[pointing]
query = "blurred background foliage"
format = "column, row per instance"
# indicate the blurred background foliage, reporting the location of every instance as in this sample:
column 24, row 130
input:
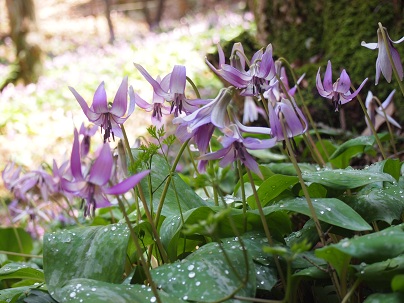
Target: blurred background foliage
column 80, row 43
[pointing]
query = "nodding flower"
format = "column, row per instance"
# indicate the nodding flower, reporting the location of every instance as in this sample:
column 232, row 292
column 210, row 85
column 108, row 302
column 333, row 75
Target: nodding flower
column 109, row 116
column 383, row 64
column 252, row 82
column 339, row 92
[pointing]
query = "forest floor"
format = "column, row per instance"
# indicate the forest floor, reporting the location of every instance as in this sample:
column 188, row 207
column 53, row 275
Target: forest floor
column 37, row 121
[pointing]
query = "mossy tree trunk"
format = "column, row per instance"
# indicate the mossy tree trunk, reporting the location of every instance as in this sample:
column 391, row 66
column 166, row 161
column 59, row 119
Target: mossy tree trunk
column 25, row 36
column 309, row 33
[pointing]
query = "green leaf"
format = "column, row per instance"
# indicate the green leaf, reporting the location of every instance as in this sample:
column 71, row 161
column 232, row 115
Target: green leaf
column 271, row 188
column 93, row 291
column 180, row 196
column 374, row 247
column 385, row 298
column 9, row 293
column 380, row 274
column 346, row 178
column 38, row 296
column 206, row 275
column 95, row 252
column 329, row 210
column 289, row 169
column 353, row 147
column 10, row 240
column 374, row 203
column 21, row 271
column 397, row 283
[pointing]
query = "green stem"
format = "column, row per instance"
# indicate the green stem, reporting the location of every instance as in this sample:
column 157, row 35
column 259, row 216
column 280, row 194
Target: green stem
column 135, row 239
column 243, row 198
column 17, row 235
column 167, row 184
column 379, row 143
column 387, row 46
column 306, row 110
column 351, row 291
column 11, row 253
column 392, row 141
column 265, row 224
column 198, row 95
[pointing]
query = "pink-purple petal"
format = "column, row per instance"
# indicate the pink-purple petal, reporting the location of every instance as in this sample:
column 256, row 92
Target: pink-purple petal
column 127, row 184
column 101, row 169
column 100, row 104
column 120, row 103
column 178, row 79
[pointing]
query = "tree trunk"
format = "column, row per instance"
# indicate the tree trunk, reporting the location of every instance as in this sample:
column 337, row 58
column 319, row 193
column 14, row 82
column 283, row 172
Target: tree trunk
column 25, row 35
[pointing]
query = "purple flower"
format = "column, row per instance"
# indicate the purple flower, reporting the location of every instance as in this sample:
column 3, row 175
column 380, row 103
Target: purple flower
column 202, row 122
column 235, row 147
column 261, row 69
column 293, row 118
column 373, row 109
column 157, row 106
column 251, row 110
column 106, row 115
column 339, row 92
column 383, row 63
column 87, row 133
column 275, row 92
column 92, row 186
column 10, row 175
column 171, row 88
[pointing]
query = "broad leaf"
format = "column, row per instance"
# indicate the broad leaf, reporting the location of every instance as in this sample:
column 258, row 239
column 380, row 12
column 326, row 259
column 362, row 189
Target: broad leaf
column 93, row 291
column 353, row 146
column 180, row 196
column 206, row 275
column 21, row 271
column 289, row 169
column 11, row 239
column 329, row 210
column 395, row 297
column 96, row 252
column 374, row 247
column 271, row 188
column 346, row 178
column 374, row 203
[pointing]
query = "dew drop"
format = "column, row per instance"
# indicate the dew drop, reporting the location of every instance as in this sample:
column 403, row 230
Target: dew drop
column 153, row 299
column 93, row 289
column 72, row 294
column 197, row 283
column 191, row 275
column 185, row 297
column 113, row 228
column 191, row 267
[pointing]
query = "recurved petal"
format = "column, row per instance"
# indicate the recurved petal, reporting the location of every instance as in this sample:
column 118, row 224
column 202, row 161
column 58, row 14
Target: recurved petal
column 84, row 106
column 320, row 88
column 100, row 104
column 328, row 77
column 101, row 169
column 178, row 79
column 397, row 62
column 371, row 45
column 252, row 164
column 75, row 160
column 343, row 83
column 121, row 99
column 388, row 99
column 127, row 184
column 348, row 97
column 156, row 86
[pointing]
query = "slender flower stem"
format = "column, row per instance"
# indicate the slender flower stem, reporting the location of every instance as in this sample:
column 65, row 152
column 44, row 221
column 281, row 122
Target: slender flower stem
column 167, row 184
column 135, row 239
column 11, row 253
column 17, row 235
column 309, row 203
column 306, row 110
column 387, row 46
column 392, row 141
column 243, row 199
column 198, row 95
column 372, row 127
column 145, row 206
column 351, row 291
column 265, row 224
